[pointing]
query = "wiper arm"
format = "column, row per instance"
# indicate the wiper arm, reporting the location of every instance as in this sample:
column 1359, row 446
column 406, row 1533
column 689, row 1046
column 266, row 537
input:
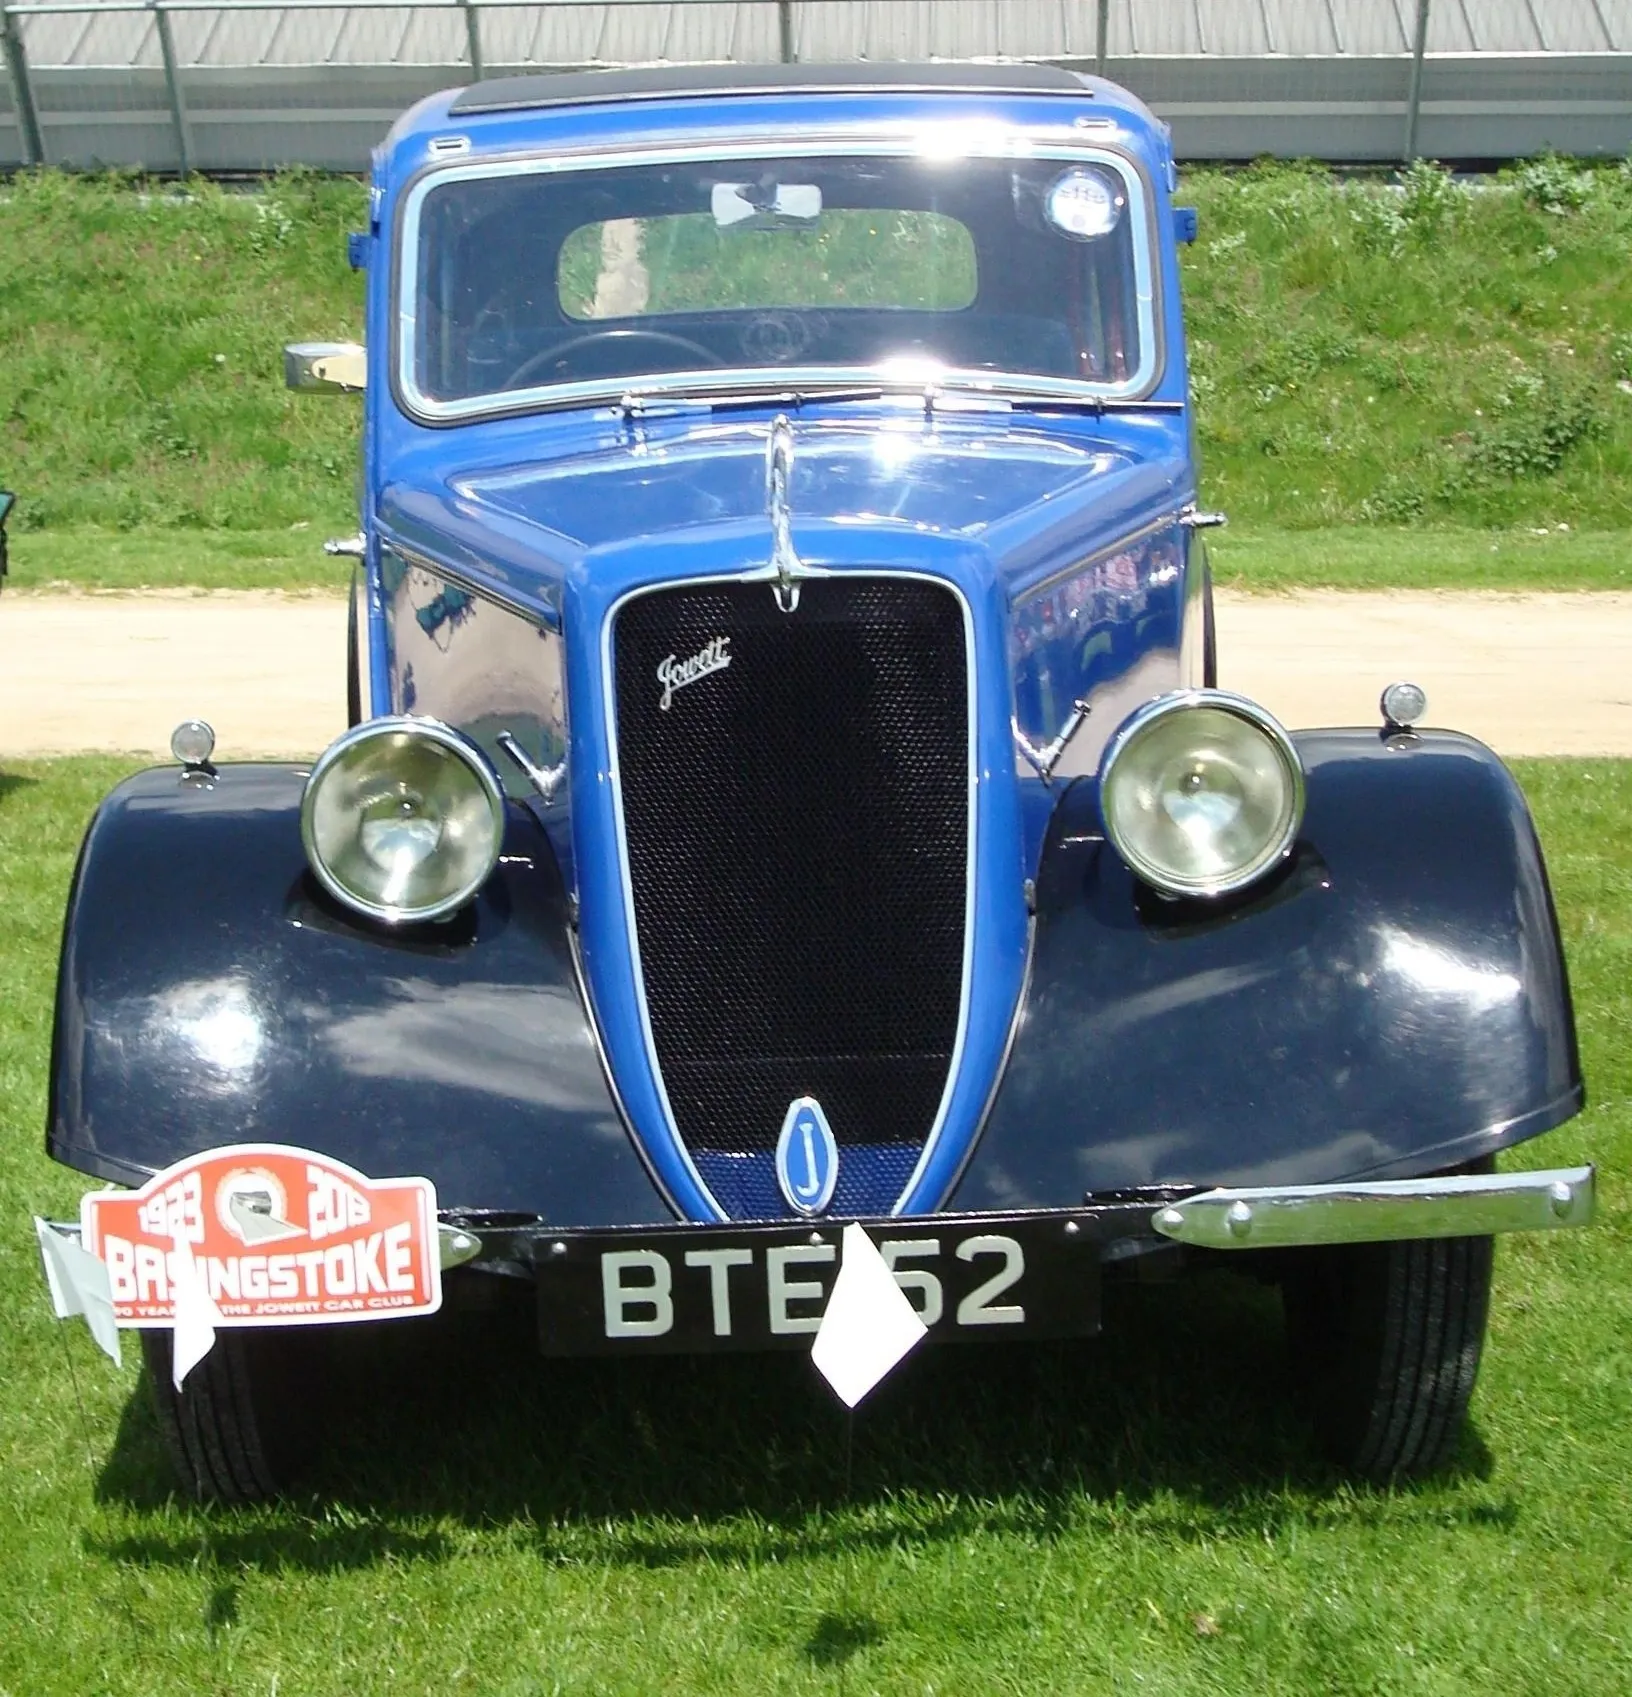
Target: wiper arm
column 639, row 403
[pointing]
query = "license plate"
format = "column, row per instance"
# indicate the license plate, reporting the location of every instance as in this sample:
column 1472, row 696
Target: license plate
column 689, row 1289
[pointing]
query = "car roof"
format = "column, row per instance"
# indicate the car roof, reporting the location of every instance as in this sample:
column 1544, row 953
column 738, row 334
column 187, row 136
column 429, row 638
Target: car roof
column 702, row 82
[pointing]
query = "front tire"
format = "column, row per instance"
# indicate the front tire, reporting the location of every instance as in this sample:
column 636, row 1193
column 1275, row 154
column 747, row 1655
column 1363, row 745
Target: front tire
column 1386, row 1339
column 242, row 1427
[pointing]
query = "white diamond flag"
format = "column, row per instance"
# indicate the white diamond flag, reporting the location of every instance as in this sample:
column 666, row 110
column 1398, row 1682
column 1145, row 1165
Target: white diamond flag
column 869, row 1324
column 195, row 1315
column 78, row 1284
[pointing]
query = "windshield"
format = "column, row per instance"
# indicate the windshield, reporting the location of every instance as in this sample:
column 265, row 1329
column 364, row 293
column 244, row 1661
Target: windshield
column 692, row 273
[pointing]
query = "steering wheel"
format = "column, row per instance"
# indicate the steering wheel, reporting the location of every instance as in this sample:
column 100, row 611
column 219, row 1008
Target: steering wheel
column 615, row 339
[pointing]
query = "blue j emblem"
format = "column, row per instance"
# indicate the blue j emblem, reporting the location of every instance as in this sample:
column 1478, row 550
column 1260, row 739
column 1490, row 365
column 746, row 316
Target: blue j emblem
column 807, row 1158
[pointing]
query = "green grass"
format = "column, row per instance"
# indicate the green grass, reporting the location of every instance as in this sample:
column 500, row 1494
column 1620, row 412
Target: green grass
column 142, row 383
column 1140, row 1514
column 1360, row 557
column 1368, row 357
column 1393, row 557
column 1436, row 353
column 93, row 557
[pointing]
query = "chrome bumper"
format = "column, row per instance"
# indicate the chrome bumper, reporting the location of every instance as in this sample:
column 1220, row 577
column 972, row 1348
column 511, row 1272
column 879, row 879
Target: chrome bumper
column 1297, row 1216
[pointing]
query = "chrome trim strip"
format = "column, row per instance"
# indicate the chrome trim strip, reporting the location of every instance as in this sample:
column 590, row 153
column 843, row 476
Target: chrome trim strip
column 615, row 778
column 1006, row 144
column 363, row 614
column 1298, row 1216
column 778, row 481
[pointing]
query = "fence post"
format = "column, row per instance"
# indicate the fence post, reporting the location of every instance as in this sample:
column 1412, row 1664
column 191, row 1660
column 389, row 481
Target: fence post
column 1413, row 105
column 1102, row 37
column 22, row 93
column 784, row 25
column 172, row 85
column 473, row 39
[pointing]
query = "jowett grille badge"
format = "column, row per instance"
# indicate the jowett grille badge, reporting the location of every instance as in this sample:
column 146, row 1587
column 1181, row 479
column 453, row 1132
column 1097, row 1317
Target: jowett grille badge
column 674, row 673
column 807, row 1157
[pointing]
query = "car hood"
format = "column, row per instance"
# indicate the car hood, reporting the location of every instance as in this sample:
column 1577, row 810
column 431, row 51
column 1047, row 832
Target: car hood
column 1021, row 491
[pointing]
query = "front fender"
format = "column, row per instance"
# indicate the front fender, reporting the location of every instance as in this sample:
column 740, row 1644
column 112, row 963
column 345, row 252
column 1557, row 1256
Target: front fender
column 210, row 994
column 1392, row 1003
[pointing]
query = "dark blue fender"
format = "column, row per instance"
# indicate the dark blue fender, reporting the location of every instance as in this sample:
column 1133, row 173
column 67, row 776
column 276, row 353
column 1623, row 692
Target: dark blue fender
column 210, row 995
column 1394, row 1002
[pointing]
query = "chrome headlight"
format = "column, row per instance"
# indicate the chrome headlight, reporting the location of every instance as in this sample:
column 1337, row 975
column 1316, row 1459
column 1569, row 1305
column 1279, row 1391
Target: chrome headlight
column 1202, row 792
column 402, row 819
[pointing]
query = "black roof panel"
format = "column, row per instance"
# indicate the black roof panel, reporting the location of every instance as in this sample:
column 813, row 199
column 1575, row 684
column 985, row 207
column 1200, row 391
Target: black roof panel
column 697, row 82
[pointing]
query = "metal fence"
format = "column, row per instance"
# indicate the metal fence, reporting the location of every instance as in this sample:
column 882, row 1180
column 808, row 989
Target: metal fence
column 244, row 85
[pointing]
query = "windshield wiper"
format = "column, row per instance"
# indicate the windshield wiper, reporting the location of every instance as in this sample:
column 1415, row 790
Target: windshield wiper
column 946, row 396
column 658, row 403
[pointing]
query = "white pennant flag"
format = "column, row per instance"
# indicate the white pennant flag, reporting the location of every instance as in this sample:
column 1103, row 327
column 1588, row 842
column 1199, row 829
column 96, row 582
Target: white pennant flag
column 78, row 1283
column 869, row 1324
column 194, row 1315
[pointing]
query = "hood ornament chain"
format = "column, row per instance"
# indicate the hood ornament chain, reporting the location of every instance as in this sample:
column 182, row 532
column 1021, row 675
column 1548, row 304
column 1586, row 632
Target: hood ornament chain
column 778, row 479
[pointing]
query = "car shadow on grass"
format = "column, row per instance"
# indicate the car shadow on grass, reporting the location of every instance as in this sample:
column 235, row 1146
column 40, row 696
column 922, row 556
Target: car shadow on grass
column 12, row 782
column 1182, row 1413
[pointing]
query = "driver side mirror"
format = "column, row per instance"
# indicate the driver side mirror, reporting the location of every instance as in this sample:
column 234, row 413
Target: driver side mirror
column 334, row 368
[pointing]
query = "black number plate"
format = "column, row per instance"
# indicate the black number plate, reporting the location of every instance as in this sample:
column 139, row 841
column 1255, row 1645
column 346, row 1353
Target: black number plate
column 688, row 1289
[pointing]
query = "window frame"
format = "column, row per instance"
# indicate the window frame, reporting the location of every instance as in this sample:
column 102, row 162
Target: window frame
column 781, row 379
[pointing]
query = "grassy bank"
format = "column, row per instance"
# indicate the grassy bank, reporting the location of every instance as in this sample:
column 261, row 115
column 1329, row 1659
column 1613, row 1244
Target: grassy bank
column 1368, row 356
column 142, row 383
column 1141, row 1513
column 1430, row 351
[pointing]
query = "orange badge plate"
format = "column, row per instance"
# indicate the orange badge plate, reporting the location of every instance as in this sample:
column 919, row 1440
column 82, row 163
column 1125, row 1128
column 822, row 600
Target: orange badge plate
column 279, row 1237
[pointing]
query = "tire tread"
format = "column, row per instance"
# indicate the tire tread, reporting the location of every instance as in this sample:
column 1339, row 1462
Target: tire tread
column 212, row 1426
column 1396, row 1331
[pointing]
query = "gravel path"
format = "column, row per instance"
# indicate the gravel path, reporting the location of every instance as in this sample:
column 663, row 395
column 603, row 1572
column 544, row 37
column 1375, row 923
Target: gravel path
column 1530, row 674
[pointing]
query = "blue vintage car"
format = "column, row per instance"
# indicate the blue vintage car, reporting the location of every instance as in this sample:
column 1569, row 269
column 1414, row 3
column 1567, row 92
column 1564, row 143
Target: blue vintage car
column 788, row 785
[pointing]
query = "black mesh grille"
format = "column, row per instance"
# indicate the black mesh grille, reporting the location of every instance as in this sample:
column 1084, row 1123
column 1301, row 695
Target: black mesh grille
column 797, row 824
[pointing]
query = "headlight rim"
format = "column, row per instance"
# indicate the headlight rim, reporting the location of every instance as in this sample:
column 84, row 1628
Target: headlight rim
column 431, row 730
column 1243, row 707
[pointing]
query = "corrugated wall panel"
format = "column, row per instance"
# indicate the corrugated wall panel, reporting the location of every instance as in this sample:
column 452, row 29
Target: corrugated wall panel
column 1236, row 78
column 1498, row 26
column 1299, row 27
column 1368, row 28
column 562, row 35
column 1574, row 26
column 1234, row 30
column 1166, row 29
column 233, row 38
column 1448, row 28
column 120, row 40
column 743, row 34
column 824, row 31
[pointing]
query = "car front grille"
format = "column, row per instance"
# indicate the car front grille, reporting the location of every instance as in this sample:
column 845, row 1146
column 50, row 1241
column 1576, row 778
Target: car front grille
column 797, row 822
